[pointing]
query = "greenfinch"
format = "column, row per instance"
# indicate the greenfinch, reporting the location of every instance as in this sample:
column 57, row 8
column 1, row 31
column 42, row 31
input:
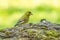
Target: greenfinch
column 24, row 19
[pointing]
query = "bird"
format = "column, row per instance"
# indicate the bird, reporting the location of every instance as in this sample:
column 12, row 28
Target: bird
column 24, row 19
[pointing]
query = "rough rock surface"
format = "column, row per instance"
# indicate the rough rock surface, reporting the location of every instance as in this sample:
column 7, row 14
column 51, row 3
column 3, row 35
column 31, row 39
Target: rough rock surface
column 44, row 30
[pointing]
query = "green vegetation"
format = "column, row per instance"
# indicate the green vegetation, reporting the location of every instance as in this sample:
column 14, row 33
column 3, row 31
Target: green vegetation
column 9, row 16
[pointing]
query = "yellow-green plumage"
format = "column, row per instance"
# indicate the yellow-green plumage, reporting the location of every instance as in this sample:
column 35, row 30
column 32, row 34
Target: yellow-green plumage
column 24, row 19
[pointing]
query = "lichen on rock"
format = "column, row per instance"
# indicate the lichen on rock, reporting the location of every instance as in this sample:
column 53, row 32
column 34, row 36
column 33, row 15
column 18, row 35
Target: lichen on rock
column 44, row 30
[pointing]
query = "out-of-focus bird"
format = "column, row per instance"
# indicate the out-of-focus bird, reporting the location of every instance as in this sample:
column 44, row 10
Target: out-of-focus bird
column 24, row 19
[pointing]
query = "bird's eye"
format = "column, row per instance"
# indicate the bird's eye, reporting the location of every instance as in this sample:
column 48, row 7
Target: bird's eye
column 29, row 12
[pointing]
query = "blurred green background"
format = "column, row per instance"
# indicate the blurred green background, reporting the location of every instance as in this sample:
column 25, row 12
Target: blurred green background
column 12, row 10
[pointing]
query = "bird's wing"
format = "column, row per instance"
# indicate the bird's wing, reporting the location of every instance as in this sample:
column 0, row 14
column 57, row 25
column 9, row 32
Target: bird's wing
column 20, row 22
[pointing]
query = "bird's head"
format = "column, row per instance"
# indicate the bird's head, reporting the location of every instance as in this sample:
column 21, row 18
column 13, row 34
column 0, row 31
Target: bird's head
column 28, row 13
